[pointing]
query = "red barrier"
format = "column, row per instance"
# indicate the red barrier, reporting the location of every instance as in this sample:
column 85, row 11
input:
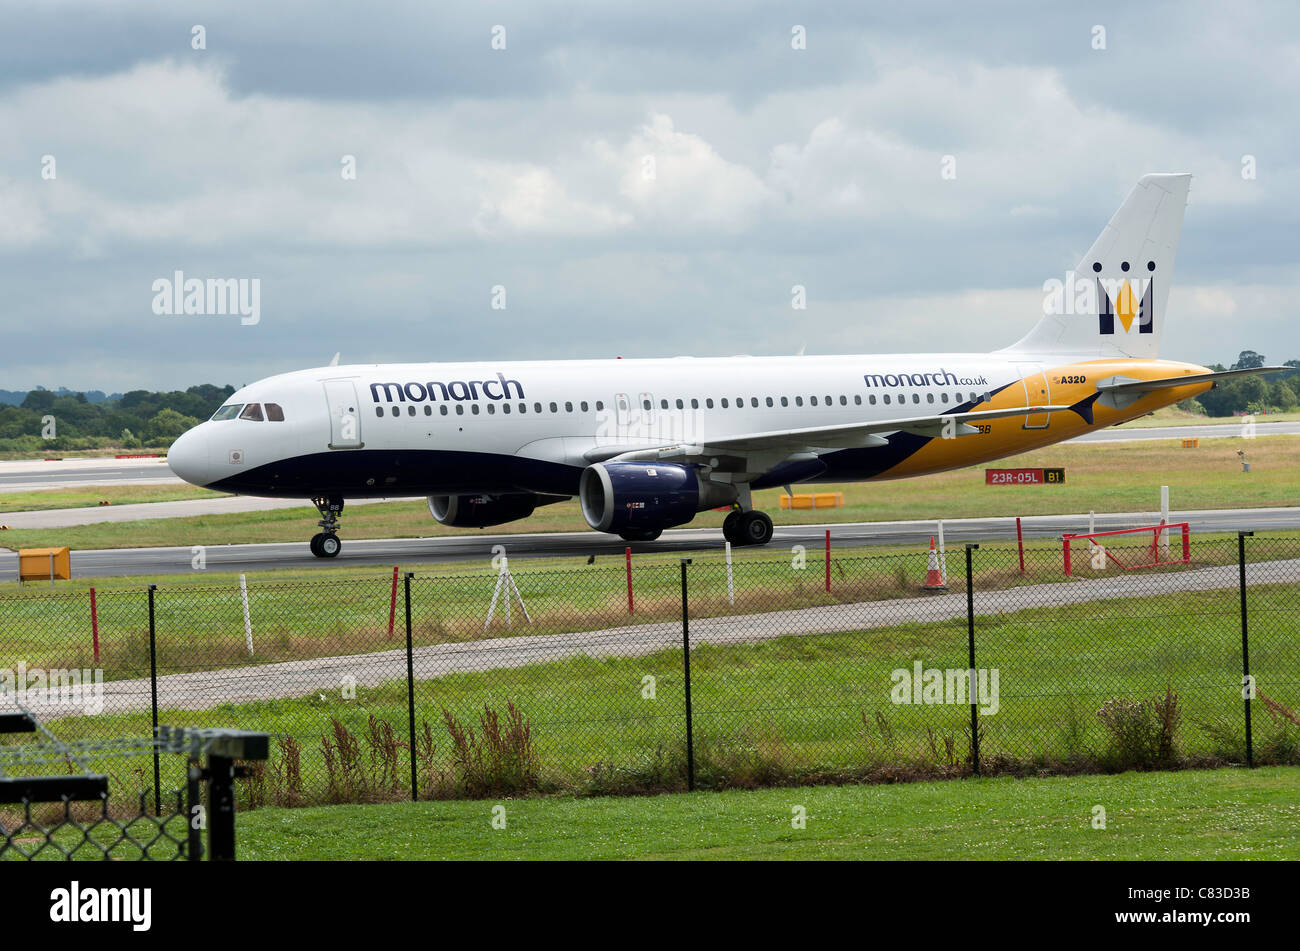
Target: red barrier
column 1153, row 552
column 392, row 605
column 828, row 559
column 628, row 553
column 94, row 624
column 1020, row 540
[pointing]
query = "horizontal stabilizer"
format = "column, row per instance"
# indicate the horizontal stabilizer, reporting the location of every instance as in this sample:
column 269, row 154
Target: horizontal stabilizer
column 1140, row 386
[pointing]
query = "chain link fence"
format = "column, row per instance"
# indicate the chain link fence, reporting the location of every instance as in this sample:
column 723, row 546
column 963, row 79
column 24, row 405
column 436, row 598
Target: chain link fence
column 816, row 667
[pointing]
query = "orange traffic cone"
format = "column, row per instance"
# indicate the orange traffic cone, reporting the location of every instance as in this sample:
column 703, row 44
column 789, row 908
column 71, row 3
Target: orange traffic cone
column 933, row 577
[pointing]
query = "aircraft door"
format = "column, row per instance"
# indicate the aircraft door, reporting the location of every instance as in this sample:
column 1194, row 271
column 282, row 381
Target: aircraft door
column 345, row 417
column 1037, row 393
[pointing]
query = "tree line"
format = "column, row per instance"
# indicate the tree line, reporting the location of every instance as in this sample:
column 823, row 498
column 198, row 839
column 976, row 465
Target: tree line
column 138, row 419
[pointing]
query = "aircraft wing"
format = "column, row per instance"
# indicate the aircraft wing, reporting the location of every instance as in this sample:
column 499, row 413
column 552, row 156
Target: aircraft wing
column 756, row 452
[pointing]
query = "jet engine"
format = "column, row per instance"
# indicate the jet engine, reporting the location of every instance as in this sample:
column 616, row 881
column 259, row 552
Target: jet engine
column 636, row 497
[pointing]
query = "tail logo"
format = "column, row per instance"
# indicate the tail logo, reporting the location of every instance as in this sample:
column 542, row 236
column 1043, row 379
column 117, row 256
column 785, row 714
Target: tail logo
column 1126, row 299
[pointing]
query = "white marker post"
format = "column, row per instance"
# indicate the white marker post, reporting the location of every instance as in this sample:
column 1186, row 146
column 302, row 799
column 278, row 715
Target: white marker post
column 248, row 621
column 1164, row 520
column 731, row 590
column 507, row 583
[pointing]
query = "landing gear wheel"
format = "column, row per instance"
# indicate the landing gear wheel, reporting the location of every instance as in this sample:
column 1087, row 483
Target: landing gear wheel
column 640, row 534
column 326, row 544
column 755, row 528
column 731, row 527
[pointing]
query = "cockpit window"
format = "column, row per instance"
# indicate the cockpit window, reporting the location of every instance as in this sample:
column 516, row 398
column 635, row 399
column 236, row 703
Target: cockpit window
column 274, row 413
column 230, row 411
column 252, row 411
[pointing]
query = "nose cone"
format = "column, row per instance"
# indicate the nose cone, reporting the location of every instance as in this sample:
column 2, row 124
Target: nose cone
column 188, row 457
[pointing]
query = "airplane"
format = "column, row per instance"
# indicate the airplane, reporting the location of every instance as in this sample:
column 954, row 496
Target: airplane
column 646, row 444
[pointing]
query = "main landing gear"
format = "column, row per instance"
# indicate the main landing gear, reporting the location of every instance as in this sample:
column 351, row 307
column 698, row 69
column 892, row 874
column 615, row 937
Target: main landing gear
column 747, row 528
column 326, row 544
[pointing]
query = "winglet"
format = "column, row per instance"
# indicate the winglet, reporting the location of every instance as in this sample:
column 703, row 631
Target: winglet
column 1084, row 407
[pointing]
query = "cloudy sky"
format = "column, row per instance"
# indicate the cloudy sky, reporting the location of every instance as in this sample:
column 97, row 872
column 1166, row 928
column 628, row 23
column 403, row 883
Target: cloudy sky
column 527, row 168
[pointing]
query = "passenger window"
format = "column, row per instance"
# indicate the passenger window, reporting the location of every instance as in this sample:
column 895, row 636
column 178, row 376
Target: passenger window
column 537, row 407
column 505, row 407
column 523, row 407
column 460, row 409
column 274, row 413
column 943, row 397
column 379, row 411
column 663, row 404
column 708, row 402
column 492, row 409
column 886, row 399
column 769, row 401
column 583, row 406
column 474, row 408
column 871, row 400
column 410, row 411
column 395, row 410
column 724, row 402
column 253, row 411
column 857, row 399
column 645, row 404
column 568, row 407
column 600, row 405
column 428, row 410
column 916, row 397
column 443, row 409
column 929, row 397
column 556, row 409
column 695, row 404
column 785, row 401
column 829, row 401
column 844, row 401
column 230, row 412
column 812, row 401
column 681, row 405
column 798, row 401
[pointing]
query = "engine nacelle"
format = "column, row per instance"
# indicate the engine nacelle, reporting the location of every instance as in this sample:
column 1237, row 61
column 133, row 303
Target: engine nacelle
column 620, row 496
column 481, row 511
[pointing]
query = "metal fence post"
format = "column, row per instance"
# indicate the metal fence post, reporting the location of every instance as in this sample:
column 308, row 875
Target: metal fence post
column 970, row 642
column 153, row 699
column 194, row 805
column 410, row 688
column 686, row 667
column 221, row 802
column 1246, row 691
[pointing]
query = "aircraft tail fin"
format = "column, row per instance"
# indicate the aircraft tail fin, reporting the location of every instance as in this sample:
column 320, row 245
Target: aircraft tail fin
column 1113, row 304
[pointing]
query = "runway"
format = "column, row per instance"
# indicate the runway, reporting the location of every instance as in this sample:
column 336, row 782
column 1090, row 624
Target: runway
column 411, row 552
column 34, row 475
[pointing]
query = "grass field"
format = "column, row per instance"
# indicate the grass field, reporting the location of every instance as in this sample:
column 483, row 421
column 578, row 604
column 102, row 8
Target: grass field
column 1223, row 814
column 85, row 496
column 1115, row 477
column 1173, row 416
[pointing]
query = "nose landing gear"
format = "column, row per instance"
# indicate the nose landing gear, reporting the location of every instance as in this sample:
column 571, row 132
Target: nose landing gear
column 326, row 544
